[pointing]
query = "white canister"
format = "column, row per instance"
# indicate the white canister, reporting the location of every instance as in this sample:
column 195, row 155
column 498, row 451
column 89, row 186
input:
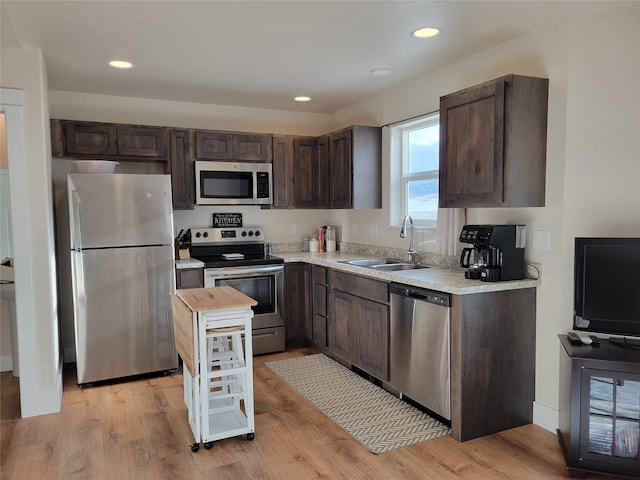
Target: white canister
column 331, row 239
column 313, row 244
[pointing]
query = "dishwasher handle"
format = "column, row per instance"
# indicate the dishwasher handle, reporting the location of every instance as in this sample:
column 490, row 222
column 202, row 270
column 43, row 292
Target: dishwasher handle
column 421, row 294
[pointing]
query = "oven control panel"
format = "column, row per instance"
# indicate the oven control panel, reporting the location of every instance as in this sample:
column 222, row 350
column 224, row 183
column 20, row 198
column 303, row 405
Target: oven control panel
column 227, row 235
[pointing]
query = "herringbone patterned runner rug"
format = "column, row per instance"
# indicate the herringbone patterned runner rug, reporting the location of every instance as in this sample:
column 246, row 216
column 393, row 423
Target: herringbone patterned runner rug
column 374, row 417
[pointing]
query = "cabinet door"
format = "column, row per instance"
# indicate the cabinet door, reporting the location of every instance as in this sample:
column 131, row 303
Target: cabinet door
column 89, row 138
column 251, row 147
column 298, row 311
column 148, row 142
column 341, row 170
column 320, row 299
column 324, row 173
column 343, row 324
column 472, row 146
column 610, row 418
column 282, row 171
column 305, row 189
column 373, row 338
column 210, row 145
column 190, row 278
column 319, row 331
column 182, row 170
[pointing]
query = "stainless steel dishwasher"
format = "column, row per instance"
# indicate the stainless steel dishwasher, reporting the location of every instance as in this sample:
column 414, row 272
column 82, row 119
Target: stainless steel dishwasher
column 420, row 368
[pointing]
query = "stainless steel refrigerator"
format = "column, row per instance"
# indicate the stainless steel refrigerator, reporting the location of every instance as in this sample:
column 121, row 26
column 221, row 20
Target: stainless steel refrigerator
column 122, row 269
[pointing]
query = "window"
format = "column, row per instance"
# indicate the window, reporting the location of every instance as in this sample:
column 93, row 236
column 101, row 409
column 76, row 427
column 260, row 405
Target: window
column 415, row 164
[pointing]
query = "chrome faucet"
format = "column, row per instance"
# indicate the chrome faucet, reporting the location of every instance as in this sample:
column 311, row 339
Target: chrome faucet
column 411, row 253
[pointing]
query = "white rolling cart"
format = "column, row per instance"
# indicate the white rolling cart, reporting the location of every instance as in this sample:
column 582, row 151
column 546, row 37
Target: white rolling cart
column 209, row 326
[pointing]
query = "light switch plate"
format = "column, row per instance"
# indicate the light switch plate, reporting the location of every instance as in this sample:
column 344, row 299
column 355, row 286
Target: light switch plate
column 541, row 239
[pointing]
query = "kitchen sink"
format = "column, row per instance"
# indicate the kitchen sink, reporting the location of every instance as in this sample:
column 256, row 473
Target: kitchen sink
column 386, row 264
column 371, row 262
column 394, row 267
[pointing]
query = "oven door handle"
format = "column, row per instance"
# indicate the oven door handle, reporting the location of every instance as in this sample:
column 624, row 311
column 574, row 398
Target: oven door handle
column 240, row 271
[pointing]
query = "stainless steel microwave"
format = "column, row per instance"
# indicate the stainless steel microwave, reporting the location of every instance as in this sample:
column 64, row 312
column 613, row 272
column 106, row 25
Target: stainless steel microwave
column 233, row 183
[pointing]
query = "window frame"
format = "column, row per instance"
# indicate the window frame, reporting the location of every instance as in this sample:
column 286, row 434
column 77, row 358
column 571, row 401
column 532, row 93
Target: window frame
column 400, row 178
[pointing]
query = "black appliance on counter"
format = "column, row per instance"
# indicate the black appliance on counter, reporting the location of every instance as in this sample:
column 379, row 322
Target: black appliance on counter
column 497, row 253
column 238, row 257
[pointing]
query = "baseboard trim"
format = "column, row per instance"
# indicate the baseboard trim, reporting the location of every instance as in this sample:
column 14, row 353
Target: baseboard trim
column 545, row 417
column 6, row 363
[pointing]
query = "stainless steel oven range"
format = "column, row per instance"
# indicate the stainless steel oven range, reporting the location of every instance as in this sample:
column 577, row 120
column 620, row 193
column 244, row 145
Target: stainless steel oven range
column 236, row 257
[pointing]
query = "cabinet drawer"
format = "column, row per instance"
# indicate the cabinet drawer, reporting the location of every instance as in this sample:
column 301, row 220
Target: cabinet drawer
column 360, row 286
column 319, row 275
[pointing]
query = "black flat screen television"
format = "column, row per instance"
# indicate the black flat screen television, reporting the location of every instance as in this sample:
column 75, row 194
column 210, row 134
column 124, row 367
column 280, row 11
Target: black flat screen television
column 607, row 286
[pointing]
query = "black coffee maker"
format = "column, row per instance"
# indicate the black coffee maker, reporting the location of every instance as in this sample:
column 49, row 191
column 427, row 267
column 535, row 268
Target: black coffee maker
column 497, row 253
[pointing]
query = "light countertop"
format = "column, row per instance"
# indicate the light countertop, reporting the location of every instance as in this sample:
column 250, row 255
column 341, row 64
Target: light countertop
column 450, row 280
column 189, row 263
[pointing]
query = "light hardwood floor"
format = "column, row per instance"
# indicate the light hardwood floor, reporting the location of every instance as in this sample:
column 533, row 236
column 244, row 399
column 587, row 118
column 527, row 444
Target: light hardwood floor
column 139, row 430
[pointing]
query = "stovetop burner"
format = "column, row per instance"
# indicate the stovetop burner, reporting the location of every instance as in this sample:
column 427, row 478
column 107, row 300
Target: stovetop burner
column 218, row 261
column 209, row 245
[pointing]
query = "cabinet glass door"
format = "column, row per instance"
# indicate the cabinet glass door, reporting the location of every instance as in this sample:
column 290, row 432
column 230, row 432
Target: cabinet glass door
column 613, row 414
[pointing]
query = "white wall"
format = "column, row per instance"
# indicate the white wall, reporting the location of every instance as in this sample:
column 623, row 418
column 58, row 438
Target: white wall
column 29, row 152
column 593, row 135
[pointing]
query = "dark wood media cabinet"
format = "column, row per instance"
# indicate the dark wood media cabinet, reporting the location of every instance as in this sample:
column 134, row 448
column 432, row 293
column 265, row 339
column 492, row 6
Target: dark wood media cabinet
column 599, row 417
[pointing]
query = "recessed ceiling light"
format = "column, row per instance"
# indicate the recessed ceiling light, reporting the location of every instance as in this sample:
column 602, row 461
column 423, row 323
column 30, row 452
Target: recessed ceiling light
column 425, row 32
column 381, row 72
column 120, row 64
column 302, row 98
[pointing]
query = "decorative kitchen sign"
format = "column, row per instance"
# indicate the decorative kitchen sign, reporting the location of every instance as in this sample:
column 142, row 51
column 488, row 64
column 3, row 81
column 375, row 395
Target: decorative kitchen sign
column 225, row 220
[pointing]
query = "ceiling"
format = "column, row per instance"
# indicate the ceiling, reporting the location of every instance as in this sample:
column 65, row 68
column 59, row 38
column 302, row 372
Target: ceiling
column 263, row 53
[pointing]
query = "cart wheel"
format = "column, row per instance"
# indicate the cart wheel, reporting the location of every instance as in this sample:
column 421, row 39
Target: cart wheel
column 195, row 447
column 208, row 445
column 251, row 436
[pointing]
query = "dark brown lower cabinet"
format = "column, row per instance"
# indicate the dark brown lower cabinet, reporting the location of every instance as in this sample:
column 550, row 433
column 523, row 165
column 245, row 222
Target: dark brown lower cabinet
column 319, row 330
column 493, row 342
column 297, row 300
column 189, row 278
column 359, row 322
column 599, row 421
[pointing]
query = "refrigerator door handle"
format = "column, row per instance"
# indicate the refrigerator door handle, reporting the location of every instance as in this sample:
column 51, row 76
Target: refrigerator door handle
column 77, row 237
column 80, row 291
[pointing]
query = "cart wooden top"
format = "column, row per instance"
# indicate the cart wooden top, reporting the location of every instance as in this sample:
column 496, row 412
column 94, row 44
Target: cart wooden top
column 214, row 298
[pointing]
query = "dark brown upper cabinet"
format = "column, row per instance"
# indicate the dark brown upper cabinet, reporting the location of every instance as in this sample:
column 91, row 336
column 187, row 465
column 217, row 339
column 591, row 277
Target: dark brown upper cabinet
column 282, row 171
column 74, row 139
column 231, row 146
column 355, row 167
column 338, row 170
column 182, row 169
column 493, row 143
column 305, row 173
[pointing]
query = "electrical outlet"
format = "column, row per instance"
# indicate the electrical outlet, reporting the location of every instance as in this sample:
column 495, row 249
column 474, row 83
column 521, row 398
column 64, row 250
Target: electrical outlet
column 541, row 239
column 293, row 228
column 373, row 230
column 354, row 230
